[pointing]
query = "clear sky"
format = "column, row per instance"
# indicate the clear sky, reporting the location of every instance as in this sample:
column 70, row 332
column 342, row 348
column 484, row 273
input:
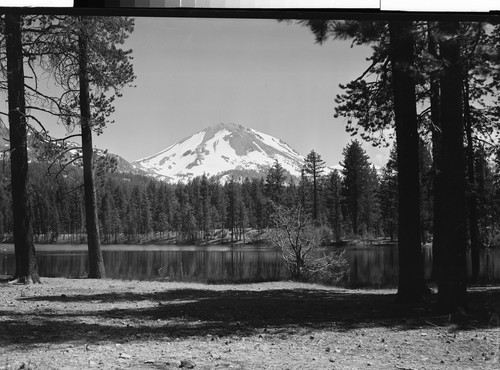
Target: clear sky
column 193, row 73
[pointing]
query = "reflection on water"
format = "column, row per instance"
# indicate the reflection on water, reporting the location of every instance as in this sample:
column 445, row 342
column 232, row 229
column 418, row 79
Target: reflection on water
column 378, row 266
column 238, row 265
column 203, row 264
column 369, row 266
column 373, row 266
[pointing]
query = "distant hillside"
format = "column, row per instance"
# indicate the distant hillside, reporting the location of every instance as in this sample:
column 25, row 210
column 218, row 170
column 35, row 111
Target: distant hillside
column 34, row 152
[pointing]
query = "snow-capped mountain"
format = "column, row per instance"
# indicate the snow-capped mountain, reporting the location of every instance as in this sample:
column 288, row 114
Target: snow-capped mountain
column 223, row 150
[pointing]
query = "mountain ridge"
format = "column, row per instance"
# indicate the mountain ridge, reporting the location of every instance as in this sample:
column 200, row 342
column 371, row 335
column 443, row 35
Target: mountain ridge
column 220, row 150
column 36, row 153
column 223, row 150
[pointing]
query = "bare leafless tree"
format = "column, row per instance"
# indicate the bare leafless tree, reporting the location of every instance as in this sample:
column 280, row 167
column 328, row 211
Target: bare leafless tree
column 299, row 243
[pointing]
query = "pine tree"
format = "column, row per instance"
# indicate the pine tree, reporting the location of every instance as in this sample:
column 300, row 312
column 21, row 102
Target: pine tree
column 334, row 202
column 222, row 211
column 257, row 190
column 313, row 168
column 370, row 209
column 452, row 278
column 84, row 57
column 388, row 196
column 143, row 211
column 355, row 171
column 411, row 283
column 488, row 195
column 426, row 201
column 234, row 201
column 26, row 262
column 275, row 182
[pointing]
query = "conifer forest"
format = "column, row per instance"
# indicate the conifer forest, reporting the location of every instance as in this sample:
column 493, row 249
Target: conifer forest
column 357, row 202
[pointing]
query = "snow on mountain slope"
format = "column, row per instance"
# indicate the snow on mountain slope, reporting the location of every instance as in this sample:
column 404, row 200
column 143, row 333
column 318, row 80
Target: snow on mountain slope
column 223, row 150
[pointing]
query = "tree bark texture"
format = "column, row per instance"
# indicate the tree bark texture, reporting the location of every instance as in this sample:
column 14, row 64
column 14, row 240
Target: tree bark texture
column 411, row 285
column 436, row 158
column 96, row 262
column 452, row 276
column 26, row 263
column 475, row 241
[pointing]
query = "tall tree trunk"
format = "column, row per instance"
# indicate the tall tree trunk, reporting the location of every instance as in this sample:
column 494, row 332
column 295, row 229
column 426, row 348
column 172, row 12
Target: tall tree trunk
column 337, row 212
column 452, row 259
column 96, row 262
column 421, row 170
column 436, row 159
column 315, row 194
column 303, row 188
column 26, row 263
column 411, row 286
column 354, row 211
column 475, row 242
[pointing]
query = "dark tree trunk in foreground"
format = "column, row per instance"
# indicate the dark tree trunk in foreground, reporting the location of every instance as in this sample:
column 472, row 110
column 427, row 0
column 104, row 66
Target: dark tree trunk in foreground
column 436, row 159
column 26, row 263
column 475, row 241
column 411, row 286
column 96, row 262
column 452, row 276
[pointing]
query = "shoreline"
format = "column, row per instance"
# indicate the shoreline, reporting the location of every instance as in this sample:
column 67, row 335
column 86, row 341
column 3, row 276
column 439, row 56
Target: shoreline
column 217, row 237
column 227, row 243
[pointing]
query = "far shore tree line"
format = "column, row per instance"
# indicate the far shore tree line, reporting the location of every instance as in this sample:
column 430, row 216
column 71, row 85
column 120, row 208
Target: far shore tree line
column 432, row 87
column 355, row 202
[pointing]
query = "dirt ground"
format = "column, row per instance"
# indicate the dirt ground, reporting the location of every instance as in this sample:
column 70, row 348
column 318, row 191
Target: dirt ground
column 115, row 324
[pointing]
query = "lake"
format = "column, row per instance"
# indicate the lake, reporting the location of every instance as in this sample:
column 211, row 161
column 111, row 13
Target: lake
column 370, row 266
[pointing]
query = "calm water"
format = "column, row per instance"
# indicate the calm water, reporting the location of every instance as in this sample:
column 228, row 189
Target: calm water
column 371, row 266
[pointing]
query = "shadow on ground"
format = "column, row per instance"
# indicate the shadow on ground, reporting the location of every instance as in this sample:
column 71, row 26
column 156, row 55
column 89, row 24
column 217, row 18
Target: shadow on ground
column 183, row 313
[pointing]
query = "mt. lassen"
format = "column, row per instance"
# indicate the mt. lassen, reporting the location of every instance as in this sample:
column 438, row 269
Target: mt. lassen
column 223, row 150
